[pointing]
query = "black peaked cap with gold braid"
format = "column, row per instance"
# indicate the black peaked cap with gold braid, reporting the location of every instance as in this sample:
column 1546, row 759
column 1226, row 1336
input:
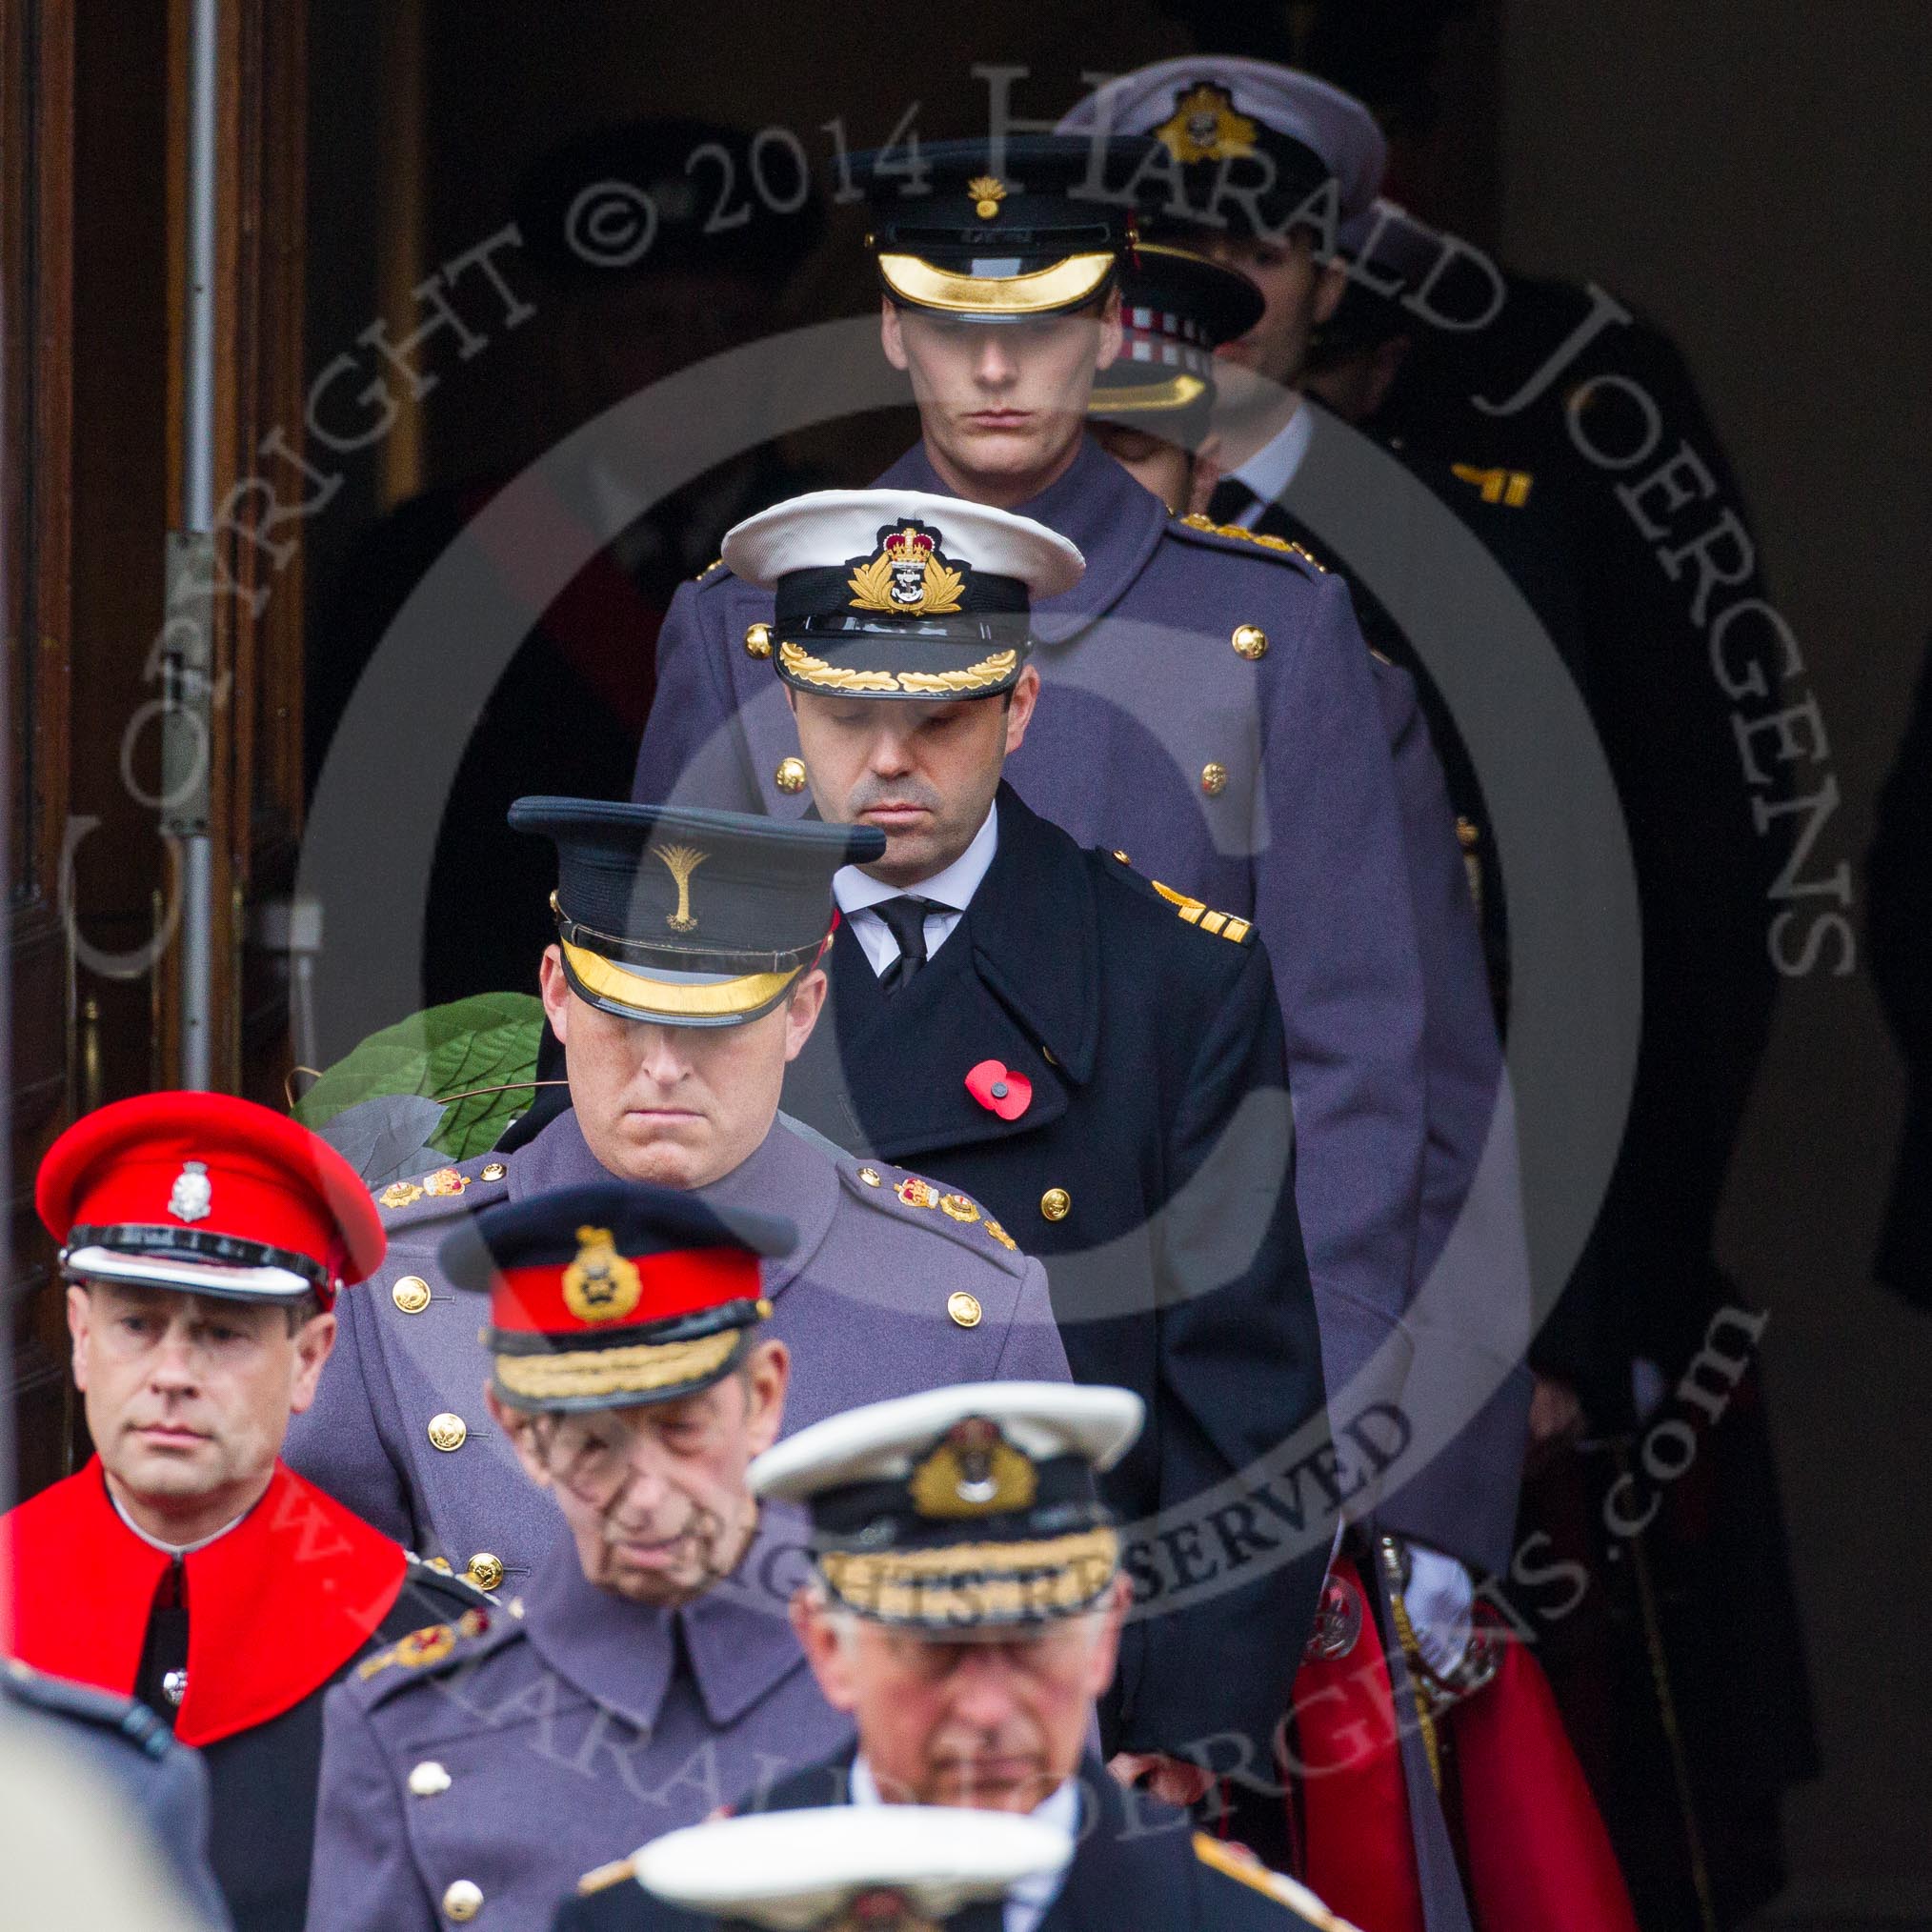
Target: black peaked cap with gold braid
column 688, row 918
column 615, row 1294
column 961, row 1509
column 1002, row 232
column 900, row 592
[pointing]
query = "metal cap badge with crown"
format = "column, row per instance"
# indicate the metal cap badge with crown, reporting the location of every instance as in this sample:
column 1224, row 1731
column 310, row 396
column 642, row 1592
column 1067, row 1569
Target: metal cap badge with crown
column 898, row 592
column 961, row 1509
column 615, row 1294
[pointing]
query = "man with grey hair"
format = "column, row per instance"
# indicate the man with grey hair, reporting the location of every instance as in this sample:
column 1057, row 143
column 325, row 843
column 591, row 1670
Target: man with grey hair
column 965, row 1610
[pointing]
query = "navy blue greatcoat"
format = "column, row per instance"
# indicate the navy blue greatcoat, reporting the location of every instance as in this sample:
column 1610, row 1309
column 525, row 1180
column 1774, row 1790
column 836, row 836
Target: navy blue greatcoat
column 1138, row 1863
column 1152, row 1171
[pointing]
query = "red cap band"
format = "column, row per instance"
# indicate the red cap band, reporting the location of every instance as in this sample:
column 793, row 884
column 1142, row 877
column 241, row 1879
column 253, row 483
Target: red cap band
column 602, row 1290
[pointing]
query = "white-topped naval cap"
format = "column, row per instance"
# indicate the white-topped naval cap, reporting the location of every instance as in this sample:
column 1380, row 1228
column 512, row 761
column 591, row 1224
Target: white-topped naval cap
column 795, row 1870
column 1333, row 125
column 884, row 1440
column 825, row 529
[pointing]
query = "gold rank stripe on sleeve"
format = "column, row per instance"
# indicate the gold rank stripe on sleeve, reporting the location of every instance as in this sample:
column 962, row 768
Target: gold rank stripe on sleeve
column 1197, row 913
column 1245, row 1869
column 1260, row 539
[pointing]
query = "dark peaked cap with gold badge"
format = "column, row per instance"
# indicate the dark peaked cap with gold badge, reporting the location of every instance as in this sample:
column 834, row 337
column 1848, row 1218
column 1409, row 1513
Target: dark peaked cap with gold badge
column 688, row 918
column 615, row 1294
column 1249, row 147
column 997, row 231
column 959, row 1509
column 898, row 592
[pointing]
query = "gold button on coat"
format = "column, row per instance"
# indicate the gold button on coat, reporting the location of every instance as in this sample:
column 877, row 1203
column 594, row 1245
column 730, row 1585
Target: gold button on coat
column 447, row 1431
column 462, row 1902
column 410, row 1293
column 1056, row 1203
column 1213, row 779
column 486, row 1570
column 870, row 1176
column 496, row 1171
column 1251, row 641
column 428, row 1779
column 757, row 640
column 964, row 1309
column 790, row 775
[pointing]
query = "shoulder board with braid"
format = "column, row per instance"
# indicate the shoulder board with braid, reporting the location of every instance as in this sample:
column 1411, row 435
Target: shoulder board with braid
column 1283, row 547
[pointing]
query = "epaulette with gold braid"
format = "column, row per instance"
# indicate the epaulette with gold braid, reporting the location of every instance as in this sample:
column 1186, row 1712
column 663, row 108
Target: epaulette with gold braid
column 604, row 1876
column 1257, row 537
column 717, row 563
column 1197, row 913
column 422, row 1648
column 1245, row 1869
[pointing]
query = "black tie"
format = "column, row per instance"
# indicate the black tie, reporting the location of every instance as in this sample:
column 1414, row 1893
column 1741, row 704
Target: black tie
column 905, row 919
column 1231, row 500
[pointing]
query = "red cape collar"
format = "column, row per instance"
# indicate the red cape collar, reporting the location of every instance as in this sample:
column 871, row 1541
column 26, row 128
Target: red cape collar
column 276, row 1605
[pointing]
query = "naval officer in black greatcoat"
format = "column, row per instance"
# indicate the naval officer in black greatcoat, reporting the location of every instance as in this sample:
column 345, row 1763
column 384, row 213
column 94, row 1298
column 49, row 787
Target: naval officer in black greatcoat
column 1096, row 1058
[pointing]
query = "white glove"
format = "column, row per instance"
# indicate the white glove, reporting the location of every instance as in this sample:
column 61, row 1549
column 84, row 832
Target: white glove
column 1439, row 1597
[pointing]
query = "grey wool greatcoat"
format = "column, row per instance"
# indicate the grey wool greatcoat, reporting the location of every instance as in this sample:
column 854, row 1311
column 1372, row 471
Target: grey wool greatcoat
column 1208, row 708
column 475, row 1777
column 881, row 1297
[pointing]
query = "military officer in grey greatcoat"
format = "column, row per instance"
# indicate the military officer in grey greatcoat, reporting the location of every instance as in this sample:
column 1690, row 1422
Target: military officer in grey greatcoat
column 1209, row 704
column 652, row 1672
column 686, row 975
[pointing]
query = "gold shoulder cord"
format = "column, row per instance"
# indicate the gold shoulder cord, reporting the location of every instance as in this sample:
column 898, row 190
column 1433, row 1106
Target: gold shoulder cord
column 1412, row 1654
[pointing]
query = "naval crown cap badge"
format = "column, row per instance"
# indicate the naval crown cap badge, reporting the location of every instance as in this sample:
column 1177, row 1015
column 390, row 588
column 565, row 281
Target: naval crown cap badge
column 600, row 1285
column 974, row 1471
column 193, row 1195
column 908, row 575
column 1204, row 126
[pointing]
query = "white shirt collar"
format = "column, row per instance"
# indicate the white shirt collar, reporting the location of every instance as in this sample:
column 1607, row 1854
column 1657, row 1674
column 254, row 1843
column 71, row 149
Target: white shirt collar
column 175, row 1550
column 1027, row 1902
column 856, row 891
column 1270, row 470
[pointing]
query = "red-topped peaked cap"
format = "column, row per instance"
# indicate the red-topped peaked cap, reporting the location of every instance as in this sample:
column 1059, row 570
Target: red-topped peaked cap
column 614, row 1294
column 210, row 1194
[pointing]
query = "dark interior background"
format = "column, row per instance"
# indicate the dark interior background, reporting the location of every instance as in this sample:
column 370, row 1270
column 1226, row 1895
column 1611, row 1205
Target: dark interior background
column 1755, row 179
